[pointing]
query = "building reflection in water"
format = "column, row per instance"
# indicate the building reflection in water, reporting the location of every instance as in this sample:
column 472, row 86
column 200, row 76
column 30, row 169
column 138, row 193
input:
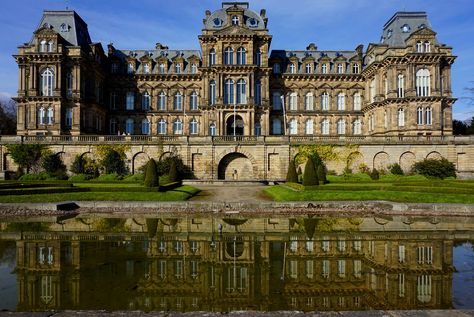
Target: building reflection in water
column 229, row 264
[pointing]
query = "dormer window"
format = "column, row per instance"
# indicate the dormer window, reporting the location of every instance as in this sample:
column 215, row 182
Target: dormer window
column 64, row 28
column 355, row 68
column 427, row 47
column 292, row 68
column 406, row 28
column 253, row 22
column 130, row 68
column 389, row 33
column 162, row 68
column 324, row 69
column 146, row 68
column 235, row 20
column 193, row 69
column 340, row 68
column 276, row 68
column 50, row 46
column 114, row 68
column 42, row 47
column 178, row 69
column 217, row 22
column 419, row 47
column 308, row 69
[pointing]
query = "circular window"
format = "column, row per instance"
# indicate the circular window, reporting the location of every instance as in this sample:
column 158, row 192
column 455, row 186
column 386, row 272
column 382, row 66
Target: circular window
column 406, row 28
column 253, row 22
column 217, row 22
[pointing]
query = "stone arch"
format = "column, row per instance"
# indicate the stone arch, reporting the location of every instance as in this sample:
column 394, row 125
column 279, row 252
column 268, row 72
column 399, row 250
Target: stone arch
column 381, row 160
column 8, row 163
column 434, row 155
column 354, row 160
column 236, row 166
column 139, row 160
column 165, row 155
column 407, row 159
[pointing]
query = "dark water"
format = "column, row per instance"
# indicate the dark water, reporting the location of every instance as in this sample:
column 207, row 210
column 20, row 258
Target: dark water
column 225, row 264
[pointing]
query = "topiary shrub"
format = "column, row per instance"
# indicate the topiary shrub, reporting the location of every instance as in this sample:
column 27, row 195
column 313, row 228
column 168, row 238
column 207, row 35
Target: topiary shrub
column 291, row 176
column 374, row 175
column 54, row 166
column 77, row 166
column 113, row 163
column 435, row 168
column 321, row 171
column 173, row 173
column 183, row 171
column 151, row 175
column 396, row 169
column 310, row 178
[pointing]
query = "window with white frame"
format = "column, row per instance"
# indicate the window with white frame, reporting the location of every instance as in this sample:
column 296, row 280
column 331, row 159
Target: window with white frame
column 161, row 101
column 146, row 68
column 427, row 47
column 324, row 101
column 228, row 56
column 193, row 127
column 177, row 127
column 292, row 68
column 423, row 83
column 357, row 244
column 277, row 102
column 241, row 56
column 308, row 68
column 419, row 47
column 293, row 244
column 401, row 253
column 401, row 117
column 325, row 244
column 401, row 284
column 130, row 68
column 308, row 101
column 146, row 101
column 325, row 268
column 341, row 127
column 324, row 69
column 276, row 126
column 43, row 47
column 357, row 102
column 325, row 127
column 293, row 269
column 341, row 245
column 425, row 255
column 162, row 246
column 41, row 115
column 47, row 289
column 193, row 101
column 194, row 69
column 419, row 115
column 309, row 245
column 309, row 268
column 47, row 82
column 423, row 288
column 194, row 268
column 212, row 57
column 428, row 115
column 130, row 100
column 341, row 102
column 400, row 86
column 212, row 92
column 341, row 268
column 293, row 101
column 357, row 268
column 212, row 129
column 50, row 46
column 68, row 122
column 178, row 269
column 162, row 68
column 355, row 68
column 129, row 126
column 161, row 126
column 293, row 125
column 178, row 101
column 177, row 68
column 145, row 127
column 50, row 116
column 241, row 91
column 340, row 68
column 308, row 127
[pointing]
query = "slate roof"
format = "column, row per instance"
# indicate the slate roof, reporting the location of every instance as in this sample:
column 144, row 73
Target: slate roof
column 251, row 18
column 155, row 53
column 74, row 30
column 401, row 25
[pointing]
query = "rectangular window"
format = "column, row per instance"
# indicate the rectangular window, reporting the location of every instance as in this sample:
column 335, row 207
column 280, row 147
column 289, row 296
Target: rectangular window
column 357, row 268
column 425, row 255
column 162, row 269
column 294, row 269
column 325, row 244
column 325, row 268
column 401, row 285
column 113, row 101
column 401, row 253
column 130, row 102
column 309, row 268
column 341, row 268
column 294, row 244
column 341, row 245
column 178, row 269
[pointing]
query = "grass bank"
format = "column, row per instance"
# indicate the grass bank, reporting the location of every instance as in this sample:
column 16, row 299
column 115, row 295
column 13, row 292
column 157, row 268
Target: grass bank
column 414, row 189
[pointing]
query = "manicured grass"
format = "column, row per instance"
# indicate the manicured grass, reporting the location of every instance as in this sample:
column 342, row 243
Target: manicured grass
column 399, row 188
column 130, row 192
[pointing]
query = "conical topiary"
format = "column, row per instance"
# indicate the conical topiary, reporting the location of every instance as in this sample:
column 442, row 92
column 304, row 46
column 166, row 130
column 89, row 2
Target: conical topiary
column 291, row 176
column 173, row 173
column 321, row 171
column 310, row 178
column 151, row 175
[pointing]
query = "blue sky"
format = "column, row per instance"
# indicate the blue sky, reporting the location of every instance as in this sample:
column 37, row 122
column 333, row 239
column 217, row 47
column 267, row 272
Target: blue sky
column 331, row 24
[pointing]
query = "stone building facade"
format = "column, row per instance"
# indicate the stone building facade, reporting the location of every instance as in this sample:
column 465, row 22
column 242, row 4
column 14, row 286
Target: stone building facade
column 235, row 101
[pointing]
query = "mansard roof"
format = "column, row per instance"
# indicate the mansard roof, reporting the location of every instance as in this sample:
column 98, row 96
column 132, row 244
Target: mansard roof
column 300, row 55
column 156, row 53
column 68, row 24
column 401, row 25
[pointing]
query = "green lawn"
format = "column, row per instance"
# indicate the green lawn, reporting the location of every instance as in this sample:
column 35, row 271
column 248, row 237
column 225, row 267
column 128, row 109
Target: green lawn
column 130, row 192
column 391, row 188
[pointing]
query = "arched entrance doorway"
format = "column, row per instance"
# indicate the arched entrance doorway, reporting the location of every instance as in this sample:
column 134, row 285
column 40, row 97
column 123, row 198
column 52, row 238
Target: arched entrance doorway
column 238, row 124
column 235, row 166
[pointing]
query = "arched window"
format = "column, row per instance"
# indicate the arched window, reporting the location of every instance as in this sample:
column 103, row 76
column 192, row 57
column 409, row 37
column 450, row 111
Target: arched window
column 177, row 127
column 212, row 92
column 428, row 115
column 193, row 127
column 241, row 91
column 401, row 117
column 258, row 92
column 423, row 83
column 129, row 128
column 293, row 103
column 161, row 101
column 241, row 56
column 276, row 126
column 308, row 127
column 146, row 101
column 357, row 101
column 228, row 56
column 212, row 57
column 212, row 129
column 229, row 92
column 47, row 82
column 340, row 68
column 309, row 69
column 50, row 46
column 276, row 68
column 69, row 81
column 68, row 121
column 325, row 101
column 113, row 127
column 162, row 68
column 324, row 69
column 161, row 126
column 193, row 101
column 130, row 100
column 293, row 125
column 276, row 98
column 427, row 47
column 258, row 129
column 257, row 57
column 178, row 102
column 400, row 86
column 325, row 127
column 43, row 47
column 145, row 127
column 356, row 127
column 419, row 115
column 292, row 68
column 41, row 116
column 341, row 102
column 341, row 126
column 419, row 47
column 308, row 101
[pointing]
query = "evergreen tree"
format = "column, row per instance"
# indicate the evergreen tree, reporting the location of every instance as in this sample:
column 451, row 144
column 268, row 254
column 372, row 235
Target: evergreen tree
column 291, row 176
column 310, row 178
column 321, row 171
column 173, row 173
column 151, row 175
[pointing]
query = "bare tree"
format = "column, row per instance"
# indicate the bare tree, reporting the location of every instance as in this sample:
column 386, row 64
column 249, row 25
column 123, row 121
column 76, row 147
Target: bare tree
column 7, row 117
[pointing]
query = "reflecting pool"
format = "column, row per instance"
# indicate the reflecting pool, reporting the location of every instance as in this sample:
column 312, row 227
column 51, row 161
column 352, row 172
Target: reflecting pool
column 195, row 263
